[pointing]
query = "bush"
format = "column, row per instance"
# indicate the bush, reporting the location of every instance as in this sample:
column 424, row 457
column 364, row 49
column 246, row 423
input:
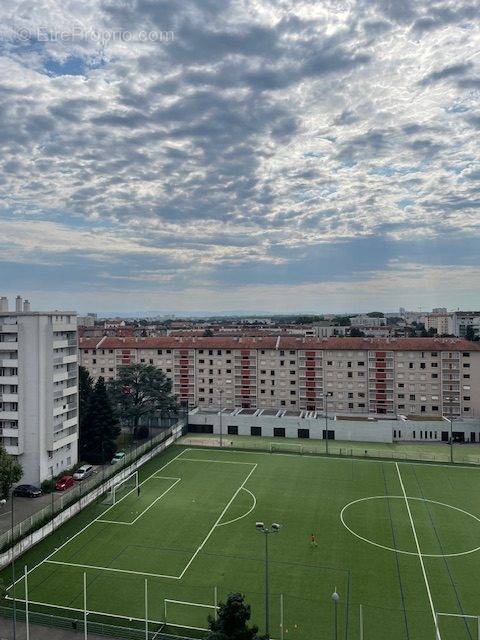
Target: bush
column 48, row 486
column 141, row 433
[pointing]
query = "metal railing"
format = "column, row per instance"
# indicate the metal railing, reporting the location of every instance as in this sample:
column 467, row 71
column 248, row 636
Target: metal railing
column 81, row 489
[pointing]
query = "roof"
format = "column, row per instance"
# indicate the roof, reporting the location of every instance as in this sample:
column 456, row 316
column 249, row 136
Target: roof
column 282, row 342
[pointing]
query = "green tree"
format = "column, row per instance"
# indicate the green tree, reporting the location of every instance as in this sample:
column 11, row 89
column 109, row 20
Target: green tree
column 100, row 427
column 356, row 333
column 375, row 314
column 232, row 621
column 141, row 390
column 208, row 333
column 341, row 321
column 470, row 333
column 10, row 472
column 85, row 388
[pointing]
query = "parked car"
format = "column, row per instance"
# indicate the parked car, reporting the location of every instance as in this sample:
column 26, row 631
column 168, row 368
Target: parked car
column 118, row 457
column 27, row 491
column 83, row 472
column 63, row 483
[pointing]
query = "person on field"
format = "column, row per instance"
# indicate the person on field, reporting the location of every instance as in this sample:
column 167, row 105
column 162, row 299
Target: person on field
column 313, row 540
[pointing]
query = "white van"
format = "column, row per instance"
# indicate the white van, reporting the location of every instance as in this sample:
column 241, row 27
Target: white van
column 85, row 471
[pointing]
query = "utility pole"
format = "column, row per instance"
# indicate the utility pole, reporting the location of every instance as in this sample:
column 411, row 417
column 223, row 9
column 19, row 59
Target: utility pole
column 275, row 528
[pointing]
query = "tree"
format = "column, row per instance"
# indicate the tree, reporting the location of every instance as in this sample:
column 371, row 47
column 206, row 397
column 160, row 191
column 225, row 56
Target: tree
column 10, row 472
column 341, row 321
column 470, row 333
column 85, row 388
column 141, row 390
column 100, row 427
column 231, row 622
column 208, row 333
column 375, row 314
column 356, row 333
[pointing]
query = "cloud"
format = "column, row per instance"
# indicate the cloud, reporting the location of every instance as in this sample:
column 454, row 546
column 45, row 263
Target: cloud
column 261, row 143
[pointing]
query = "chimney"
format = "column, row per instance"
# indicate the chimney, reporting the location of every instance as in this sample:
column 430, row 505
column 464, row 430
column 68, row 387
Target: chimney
column 18, row 304
column 26, row 306
column 3, row 303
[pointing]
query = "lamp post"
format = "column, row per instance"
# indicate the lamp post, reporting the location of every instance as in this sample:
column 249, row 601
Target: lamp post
column 335, row 599
column 13, row 572
column 275, row 528
column 326, row 396
column 220, row 391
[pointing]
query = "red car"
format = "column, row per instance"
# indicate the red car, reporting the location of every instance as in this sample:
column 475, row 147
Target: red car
column 65, row 482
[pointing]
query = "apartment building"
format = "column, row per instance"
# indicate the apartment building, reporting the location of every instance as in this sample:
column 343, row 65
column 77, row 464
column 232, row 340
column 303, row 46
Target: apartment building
column 412, row 376
column 461, row 320
column 38, row 388
column 441, row 322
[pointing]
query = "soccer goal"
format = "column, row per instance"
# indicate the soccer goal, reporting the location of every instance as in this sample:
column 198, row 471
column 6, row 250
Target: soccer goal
column 454, row 625
column 288, row 447
column 189, row 615
column 121, row 489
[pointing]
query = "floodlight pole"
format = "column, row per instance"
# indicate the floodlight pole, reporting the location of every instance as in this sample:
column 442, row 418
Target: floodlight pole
column 220, row 391
column 275, row 528
column 13, row 570
column 326, row 396
column 451, row 437
column 335, row 599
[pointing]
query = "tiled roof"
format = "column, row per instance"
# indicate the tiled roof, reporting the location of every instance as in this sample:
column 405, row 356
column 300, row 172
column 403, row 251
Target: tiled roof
column 282, row 342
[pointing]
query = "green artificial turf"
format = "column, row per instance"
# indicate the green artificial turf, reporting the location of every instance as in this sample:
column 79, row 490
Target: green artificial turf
column 191, row 532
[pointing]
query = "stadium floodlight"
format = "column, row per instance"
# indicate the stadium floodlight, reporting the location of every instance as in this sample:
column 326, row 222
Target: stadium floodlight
column 274, row 528
column 335, row 600
column 328, row 394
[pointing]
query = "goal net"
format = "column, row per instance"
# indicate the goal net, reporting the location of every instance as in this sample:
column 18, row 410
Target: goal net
column 286, row 447
column 451, row 626
column 189, row 615
column 121, row 489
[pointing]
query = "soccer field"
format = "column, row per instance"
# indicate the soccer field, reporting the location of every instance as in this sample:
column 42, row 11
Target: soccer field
column 400, row 542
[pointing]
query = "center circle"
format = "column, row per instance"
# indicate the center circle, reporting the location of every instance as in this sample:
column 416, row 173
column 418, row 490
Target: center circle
column 350, row 506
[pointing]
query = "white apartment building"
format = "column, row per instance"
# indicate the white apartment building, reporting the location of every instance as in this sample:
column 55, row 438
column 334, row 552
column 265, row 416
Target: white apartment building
column 367, row 321
column 373, row 376
column 441, row 322
column 461, row 320
column 38, row 388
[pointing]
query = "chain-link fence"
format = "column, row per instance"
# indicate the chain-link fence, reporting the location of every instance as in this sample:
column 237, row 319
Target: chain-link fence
column 81, row 489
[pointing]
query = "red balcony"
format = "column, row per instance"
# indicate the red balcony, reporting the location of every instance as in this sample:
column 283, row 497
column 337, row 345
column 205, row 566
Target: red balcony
column 310, row 394
column 183, row 363
column 380, row 354
column 381, row 396
column 310, row 354
column 381, row 376
column 310, row 374
column 380, row 386
column 245, row 352
column 244, row 392
column 310, row 383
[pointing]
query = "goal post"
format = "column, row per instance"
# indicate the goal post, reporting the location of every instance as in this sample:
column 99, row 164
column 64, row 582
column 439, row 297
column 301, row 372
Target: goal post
column 289, row 447
column 189, row 615
column 455, row 623
column 122, row 489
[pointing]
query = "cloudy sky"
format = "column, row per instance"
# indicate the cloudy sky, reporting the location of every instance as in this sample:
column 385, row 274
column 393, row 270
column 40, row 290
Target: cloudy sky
column 257, row 155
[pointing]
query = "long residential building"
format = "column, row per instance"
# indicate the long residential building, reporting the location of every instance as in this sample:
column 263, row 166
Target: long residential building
column 38, row 389
column 374, row 376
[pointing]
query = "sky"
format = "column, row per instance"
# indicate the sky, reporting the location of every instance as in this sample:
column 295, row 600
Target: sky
column 229, row 155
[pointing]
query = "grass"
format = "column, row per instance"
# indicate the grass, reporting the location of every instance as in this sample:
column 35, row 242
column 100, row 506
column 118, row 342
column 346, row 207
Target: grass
column 389, row 535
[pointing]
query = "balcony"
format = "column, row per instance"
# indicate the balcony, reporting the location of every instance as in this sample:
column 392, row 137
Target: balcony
column 8, row 346
column 8, row 415
column 9, row 380
column 8, row 397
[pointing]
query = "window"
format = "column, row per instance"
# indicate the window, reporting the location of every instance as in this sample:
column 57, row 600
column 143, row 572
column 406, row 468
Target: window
column 303, row 433
column 255, row 431
column 232, row 430
column 279, row 432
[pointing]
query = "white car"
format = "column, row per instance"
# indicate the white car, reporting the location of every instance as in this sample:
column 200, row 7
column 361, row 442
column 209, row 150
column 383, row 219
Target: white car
column 83, row 472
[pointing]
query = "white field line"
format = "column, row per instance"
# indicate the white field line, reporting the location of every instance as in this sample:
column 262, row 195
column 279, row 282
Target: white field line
column 218, row 520
column 348, row 459
column 222, row 524
column 129, row 524
column 92, row 522
column 192, row 604
column 420, row 557
column 90, row 566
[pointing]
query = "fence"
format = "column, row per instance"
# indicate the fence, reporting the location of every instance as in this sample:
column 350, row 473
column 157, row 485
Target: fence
column 336, row 448
column 84, row 489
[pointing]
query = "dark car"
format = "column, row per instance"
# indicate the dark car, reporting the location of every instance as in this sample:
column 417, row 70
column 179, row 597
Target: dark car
column 27, row 491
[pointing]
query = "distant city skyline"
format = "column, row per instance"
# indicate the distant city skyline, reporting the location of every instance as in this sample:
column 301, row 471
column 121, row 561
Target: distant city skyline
column 267, row 156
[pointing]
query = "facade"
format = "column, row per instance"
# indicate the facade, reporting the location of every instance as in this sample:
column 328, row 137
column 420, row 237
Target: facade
column 38, row 389
column 367, row 321
column 311, row 424
column 441, row 322
column 464, row 319
column 362, row 376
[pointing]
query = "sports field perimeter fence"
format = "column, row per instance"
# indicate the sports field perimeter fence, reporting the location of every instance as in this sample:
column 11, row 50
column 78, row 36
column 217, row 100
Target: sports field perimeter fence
column 336, row 448
column 81, row 489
